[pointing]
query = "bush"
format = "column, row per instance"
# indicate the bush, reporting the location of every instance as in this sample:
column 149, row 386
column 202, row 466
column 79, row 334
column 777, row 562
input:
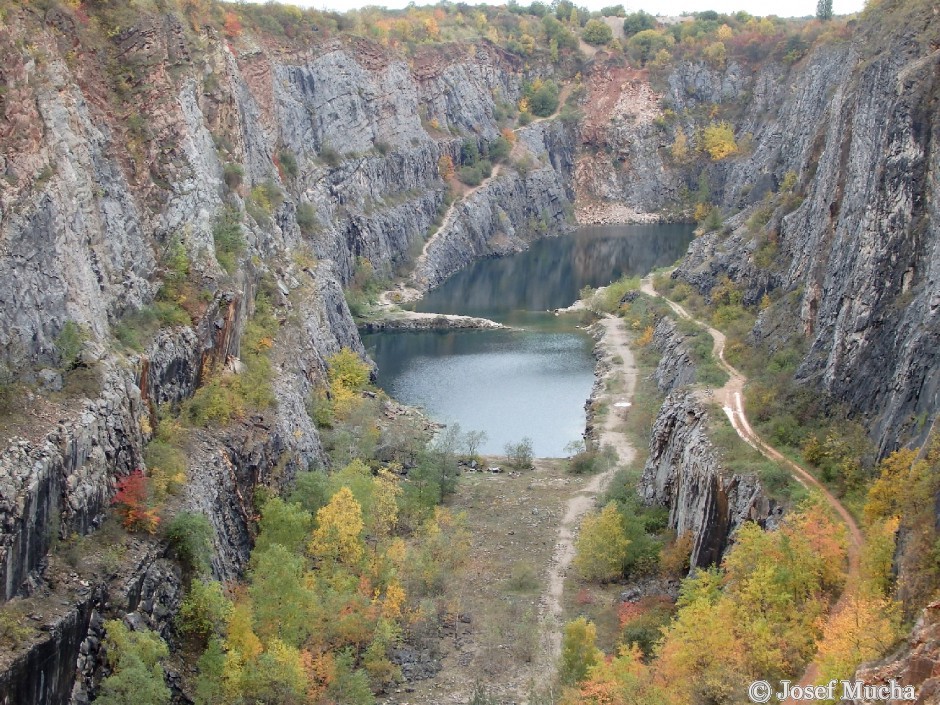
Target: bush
column 190, row 539
column 718, row 140
column 602, row 545
column 637, row 22
column 233, row 174
column 136, row 674
column 133, row 503
column 306, row 218
column 204, row 611
column 228, row 238
column 330, row 156
column 288, row 163
column 542, row 97
column 68, row 344
column 470, row 175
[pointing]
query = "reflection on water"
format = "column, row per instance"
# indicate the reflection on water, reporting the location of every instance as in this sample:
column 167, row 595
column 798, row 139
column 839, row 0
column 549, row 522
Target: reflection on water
column 551, row 273
column 519, row 383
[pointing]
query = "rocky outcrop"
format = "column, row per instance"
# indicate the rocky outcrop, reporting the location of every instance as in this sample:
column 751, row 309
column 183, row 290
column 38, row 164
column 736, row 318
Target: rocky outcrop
column 675, row 368
column 854, row 262
column 684, row 473
column 507, row 213
column 916, row 663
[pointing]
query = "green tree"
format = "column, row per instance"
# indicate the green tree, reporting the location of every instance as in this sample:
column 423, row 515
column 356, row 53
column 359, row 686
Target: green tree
column 644, row 45
column 824, row 10
column 137, row 676
column 579, row 652
column 285, row 524
column 205, row 609
column 638, row 22
column 597, row 33
column 278, row 595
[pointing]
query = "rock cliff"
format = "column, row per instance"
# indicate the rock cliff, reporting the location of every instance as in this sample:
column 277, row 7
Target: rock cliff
column 116, row 158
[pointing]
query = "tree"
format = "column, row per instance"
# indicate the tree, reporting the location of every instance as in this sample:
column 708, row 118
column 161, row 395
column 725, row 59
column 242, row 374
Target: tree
column 638, row 22
column 443, row 452
column 578, row 651
column 474, row 439
column 131, row 501
column 644, row 45
column 445, row 166
column 279, row 596
column 602, row 545
column 137, row 675
column 284, row 524
column 718, row 140
column 597, row 33
column 338, row 536
column 824, row 10
column 205, row 610
column 519, row 455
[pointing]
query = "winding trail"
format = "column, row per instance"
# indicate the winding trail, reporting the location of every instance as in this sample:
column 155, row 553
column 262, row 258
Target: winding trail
column 730, row 398
column 617, row 361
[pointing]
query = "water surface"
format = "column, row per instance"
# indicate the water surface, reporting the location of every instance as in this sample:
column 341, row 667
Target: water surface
column 517, row 383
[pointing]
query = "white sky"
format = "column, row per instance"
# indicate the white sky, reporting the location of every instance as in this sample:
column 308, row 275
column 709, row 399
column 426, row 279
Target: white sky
column 782, row 8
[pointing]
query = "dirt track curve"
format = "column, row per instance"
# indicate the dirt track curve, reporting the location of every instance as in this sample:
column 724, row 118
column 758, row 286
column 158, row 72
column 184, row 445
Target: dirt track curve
column 729, row 396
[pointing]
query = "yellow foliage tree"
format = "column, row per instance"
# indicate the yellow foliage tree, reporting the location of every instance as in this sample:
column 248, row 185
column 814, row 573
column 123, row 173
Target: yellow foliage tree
column 680, row 147
column 445, row 166
column 602, row 545
column 348, row 375
column 338, row 536
column 718, row 140
column 864, row 629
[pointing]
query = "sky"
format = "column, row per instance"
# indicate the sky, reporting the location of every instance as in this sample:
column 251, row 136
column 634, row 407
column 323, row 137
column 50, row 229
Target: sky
column 782, row 8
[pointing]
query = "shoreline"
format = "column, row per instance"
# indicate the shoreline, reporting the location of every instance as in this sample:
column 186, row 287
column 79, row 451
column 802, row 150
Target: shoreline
column 402, row 320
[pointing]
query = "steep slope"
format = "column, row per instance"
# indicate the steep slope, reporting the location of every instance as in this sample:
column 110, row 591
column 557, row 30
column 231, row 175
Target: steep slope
column 161, row 169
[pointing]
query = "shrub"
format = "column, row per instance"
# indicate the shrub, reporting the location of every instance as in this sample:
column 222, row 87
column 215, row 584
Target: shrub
column 288, row 163
column 470, row 175
column 602, row 545
column 68, row 344
column 306, row 218
column 233, row 174
column 190, row 539
column 578, row 651
column 718, row 140
column 330, row 156
column 137, row 676
column 132, row 501
column 228, row 238
column 638, row 22
column 204, row 611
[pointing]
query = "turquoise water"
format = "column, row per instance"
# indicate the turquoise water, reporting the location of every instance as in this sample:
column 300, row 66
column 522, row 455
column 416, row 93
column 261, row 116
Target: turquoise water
column 517, row 383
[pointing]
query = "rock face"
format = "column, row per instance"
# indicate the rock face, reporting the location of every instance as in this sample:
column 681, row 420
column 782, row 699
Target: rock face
column 685, row 474
column 916, row 663
column 675, row 368
column 328, row 158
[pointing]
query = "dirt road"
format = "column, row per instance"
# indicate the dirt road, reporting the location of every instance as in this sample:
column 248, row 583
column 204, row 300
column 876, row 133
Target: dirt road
column 618, row 383
column 730, row 398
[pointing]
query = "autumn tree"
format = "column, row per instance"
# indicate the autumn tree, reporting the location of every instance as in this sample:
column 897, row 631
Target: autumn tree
column 718, row 140
column 338, row 536
column 602, row 545
column 445, row 166
column 579, row 652
column 132, row 503
column 863, row 630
